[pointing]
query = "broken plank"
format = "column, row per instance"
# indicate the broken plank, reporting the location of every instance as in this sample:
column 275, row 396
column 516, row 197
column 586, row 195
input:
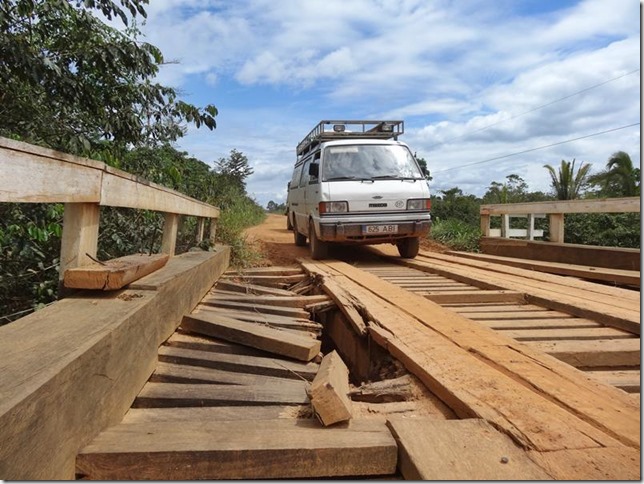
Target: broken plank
column 240, row 363
column 251, row 288
column 114, row 274
column 294, row 301
column 596, row 353
column 263, row 308
column 464, row 450
column 480, row 295
column 330, row 389
column 270, row 319
column 257, row 449
column 254, row 335
column 347, row 303
column 212, row 394
column 175, row 373
column 271, row 281
column 566, row 334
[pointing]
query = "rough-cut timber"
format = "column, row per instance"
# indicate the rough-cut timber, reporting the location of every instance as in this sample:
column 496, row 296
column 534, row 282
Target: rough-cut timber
column 274, row 340
column 463, row 450
column 249, row 306
column 115, row 273
column 73, row 368
column 258, row 449
column 330, row 389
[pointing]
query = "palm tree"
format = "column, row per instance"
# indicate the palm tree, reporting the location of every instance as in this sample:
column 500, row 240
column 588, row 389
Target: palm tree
column 620, row 178
column 566, row 183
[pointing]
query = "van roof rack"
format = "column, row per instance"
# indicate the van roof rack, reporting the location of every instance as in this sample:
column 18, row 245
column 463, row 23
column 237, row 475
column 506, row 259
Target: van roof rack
column 329, row 130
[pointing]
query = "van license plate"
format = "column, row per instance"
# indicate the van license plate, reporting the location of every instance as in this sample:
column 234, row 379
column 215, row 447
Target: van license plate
column 380, row 229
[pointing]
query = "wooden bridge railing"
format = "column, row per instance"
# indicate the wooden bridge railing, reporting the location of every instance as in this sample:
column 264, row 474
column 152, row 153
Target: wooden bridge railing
column 31, row 174
column 555, row 250
column 555, row 212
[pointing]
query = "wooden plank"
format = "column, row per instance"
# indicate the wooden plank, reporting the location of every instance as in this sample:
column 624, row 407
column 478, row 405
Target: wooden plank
column 212, row 395
column 238, row 412
column 272, row 270
column 240, row 363
column 174, row 373
column 270, row 319
column 283, row 301
column 262, row 308
column 596, row 205
column 475, row 295
column 614, row 276
column 271, row 281
column 170, row 230
column 595, row 353
column 251, row 288
column 566, row 334
column 542, row 323
column 183, row 339
column 347, row 303
column 83, row 360
column 115, row 273
column 606, row 409
column 611, row 464
column 258, row 449
column 464, row 308
column 504, row 315
column 273, row 340
column 463, row 450
column 627, row 380
column 329, row 391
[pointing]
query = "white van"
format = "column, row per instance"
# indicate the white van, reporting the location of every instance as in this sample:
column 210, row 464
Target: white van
column 355, row 183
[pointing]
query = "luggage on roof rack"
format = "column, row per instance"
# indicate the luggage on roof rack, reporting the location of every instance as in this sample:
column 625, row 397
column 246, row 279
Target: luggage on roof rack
column 342, row 129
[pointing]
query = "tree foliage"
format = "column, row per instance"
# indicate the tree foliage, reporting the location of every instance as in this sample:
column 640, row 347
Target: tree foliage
column 567, row 183
column 620, row 178
column 71, row 82
column 235, row 169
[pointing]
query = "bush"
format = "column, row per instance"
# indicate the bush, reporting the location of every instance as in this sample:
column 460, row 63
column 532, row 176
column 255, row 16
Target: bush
column 456, row 234
column 240, row 214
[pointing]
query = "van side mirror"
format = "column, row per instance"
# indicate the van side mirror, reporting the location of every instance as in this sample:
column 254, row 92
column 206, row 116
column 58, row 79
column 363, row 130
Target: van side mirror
column 314, row 170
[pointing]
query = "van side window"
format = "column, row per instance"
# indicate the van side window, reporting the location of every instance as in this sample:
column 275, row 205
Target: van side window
column 316, row 161
column 304, row 179
column 296, row 177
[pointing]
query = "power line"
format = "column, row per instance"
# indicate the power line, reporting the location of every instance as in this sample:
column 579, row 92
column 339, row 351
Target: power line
column 534, row 109
column 535, row 149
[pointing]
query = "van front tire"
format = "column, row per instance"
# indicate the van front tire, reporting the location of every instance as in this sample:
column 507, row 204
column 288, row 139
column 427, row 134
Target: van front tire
column 319, row 249
column 408, row 248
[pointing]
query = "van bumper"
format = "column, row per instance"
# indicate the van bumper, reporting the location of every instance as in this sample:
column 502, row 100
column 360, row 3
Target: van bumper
column 353, row 231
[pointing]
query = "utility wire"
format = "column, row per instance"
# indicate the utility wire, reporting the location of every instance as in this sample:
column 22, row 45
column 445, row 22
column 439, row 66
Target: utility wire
column 534, row 109
column 535, row 149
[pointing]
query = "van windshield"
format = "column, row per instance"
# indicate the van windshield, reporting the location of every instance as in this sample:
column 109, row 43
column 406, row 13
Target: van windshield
column 369, row 162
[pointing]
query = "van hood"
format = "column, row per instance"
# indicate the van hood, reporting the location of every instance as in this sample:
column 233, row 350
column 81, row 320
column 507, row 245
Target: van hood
column 377, row 195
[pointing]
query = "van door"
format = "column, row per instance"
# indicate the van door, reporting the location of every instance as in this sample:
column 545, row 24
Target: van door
column 312, row 190
column 296, row 194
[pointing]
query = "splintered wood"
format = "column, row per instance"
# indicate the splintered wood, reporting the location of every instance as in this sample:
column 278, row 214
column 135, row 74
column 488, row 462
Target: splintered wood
column 229, row 398
column 550, row 409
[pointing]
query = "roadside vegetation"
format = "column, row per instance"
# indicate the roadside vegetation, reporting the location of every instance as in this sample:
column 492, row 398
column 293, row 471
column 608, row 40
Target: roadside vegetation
column 72, row 83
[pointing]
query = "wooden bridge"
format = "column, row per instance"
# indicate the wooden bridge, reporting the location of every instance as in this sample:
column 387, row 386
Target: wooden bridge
column 462, row 366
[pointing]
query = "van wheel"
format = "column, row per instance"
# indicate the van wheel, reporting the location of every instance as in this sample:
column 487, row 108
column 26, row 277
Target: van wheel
column 319, row 249
column 289, row 225
column 408, row 248
column 300, row 240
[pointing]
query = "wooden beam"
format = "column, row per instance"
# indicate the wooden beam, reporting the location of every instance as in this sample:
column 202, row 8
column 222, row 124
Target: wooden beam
column 594, row 353
column 252, row 289
column 262, row 308
column 115, row 273
column 597, row 205
column 294, row 301
column 462, row 450
column 208, row 414
column 627, row 380
column 73, row 368
column 273, row 340
column 170, row 229
column 549, row 334
column 257, row 449
column 478, row 295
column 329, row 391
column 79, row 240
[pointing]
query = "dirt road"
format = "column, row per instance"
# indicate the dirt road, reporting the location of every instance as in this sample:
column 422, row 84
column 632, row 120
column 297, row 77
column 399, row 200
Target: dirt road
column 276, row 245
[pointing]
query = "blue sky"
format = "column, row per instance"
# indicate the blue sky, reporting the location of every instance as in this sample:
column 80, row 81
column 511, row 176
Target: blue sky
column 460, row 73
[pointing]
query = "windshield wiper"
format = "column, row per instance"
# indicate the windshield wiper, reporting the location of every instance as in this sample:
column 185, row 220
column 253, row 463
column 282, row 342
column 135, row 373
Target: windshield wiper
column 336, row 178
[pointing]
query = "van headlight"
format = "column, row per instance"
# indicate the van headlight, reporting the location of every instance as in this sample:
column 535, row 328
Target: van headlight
column 419, row 204
column 333, row 207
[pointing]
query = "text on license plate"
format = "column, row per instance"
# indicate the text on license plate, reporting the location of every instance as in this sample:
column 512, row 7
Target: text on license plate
column 380, row 229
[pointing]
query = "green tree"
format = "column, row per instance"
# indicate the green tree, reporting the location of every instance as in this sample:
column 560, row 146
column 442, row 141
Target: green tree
column 422, row 162
column 235, row 169
column 71, row 82
column 620, row 178
column 566, row 183
column 513, row 190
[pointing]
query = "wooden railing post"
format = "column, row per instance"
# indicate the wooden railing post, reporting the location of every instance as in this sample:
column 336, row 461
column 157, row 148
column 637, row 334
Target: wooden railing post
column 530, row 233
column 556, row 227
column 170, row 229
column 200, row 229
column 80, row 237
column 485, row 224
column 213, row 229
column 505, row 225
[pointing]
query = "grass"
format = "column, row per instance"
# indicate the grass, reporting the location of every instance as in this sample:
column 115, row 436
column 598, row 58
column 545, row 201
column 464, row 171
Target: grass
column 239, row 215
